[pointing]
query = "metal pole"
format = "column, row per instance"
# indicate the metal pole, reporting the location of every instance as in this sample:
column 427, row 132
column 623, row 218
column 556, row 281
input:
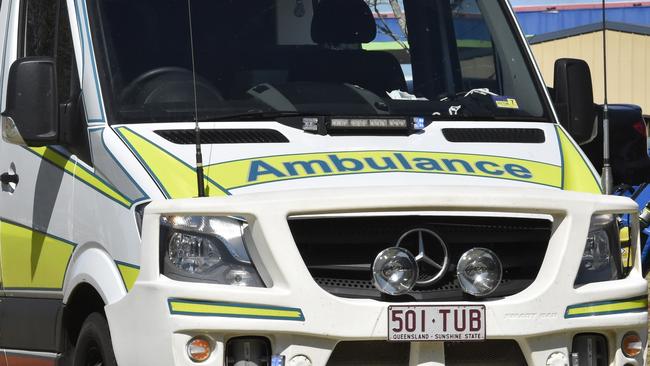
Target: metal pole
column 607, row 179
column 200, row 179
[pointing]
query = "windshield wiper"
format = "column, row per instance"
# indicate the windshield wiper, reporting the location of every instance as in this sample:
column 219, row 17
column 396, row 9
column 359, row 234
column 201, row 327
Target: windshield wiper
column 251, row 115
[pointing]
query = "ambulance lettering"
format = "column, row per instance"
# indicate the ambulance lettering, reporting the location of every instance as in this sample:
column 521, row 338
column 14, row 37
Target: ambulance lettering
column 333, row 164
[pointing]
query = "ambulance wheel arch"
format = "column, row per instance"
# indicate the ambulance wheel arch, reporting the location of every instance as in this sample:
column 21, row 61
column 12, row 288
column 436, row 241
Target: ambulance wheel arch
column 92, row 281
column 83, row 302
column 91, row 264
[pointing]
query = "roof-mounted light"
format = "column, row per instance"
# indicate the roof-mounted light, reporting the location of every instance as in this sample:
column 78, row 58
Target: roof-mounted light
column 325, row 125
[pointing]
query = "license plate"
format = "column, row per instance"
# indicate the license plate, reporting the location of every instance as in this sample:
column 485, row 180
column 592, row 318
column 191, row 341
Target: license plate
column 449, row 323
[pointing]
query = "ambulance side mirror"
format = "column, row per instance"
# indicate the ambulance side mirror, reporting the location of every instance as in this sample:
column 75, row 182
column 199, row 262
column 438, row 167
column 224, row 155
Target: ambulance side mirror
column 574, row 98
column 31, row 116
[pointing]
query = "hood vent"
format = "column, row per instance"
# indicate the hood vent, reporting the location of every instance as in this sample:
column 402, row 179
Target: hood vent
column 495, row 135
column 224, row 136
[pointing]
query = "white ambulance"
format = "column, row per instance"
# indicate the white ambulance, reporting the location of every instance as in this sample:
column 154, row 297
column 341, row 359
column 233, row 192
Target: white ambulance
column 302, row 182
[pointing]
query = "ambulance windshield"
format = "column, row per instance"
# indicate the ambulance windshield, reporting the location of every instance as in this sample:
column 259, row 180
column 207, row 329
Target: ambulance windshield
column 177, row 60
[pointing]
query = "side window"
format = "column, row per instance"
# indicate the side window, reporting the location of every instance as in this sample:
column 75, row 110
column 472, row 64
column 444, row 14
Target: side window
column 65, row 62
column 46, row 32
column 39, row 22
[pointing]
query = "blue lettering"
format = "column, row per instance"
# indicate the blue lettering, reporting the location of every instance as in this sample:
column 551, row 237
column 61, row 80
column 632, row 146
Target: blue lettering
column 343, row 165
column 481, row 165
column 427, row 164
column 403, row 161
column 388, row 164
column 452, row 168
column 259, row 168
column 518, row 171
column 307, row 167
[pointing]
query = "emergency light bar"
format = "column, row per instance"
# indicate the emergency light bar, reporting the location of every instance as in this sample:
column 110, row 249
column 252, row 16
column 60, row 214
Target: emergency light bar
column 348, row 123
column 322, row 125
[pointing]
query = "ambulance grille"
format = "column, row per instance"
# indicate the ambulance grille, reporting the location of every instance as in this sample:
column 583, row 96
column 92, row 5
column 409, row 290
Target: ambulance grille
column 339, row 251
column 495, row 135
column 224, row 136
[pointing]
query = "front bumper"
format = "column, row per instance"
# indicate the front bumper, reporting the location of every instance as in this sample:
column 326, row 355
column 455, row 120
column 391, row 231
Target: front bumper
column 149, row 327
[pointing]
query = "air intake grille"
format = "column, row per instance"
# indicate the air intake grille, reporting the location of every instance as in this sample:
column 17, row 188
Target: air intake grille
column 224, row 136
column 370, row 353
column 339, row 251
column 487, row 353
column 495, row 135
column 381, row 353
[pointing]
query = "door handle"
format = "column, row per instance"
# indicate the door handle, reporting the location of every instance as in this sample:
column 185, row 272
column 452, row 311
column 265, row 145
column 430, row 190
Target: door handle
column 7, row 178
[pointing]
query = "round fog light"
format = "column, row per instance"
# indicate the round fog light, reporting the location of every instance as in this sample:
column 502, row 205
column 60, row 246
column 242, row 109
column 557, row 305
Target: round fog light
column 199, row 349
column 557, row 359
column 395, row 271
column 300, row 360
column 479, row 271
column 631, row 344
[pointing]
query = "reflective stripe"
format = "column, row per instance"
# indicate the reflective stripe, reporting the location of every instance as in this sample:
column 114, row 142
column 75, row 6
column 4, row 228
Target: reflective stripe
column 576, row 171
column 129, row 274
column 627, row 253
column 243, row 173
column 624, row 234
column 205, row 308
column 174, row 177
column 177, row 179
column 637, row 304
column 81, row 173
column 32, row 259
column 25, row 358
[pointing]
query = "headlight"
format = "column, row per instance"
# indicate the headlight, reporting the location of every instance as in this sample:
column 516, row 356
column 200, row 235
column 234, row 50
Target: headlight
column 206, row 249
column 601, row 260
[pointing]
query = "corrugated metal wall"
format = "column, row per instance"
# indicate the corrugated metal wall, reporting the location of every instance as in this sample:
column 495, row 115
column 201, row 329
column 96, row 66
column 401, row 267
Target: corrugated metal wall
column 628, row 64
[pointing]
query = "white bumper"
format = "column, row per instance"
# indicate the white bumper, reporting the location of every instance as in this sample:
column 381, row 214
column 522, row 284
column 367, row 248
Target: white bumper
column 145, row 332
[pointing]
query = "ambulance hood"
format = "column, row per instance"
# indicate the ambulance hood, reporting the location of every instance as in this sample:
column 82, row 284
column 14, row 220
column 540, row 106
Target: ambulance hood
column 242, row 157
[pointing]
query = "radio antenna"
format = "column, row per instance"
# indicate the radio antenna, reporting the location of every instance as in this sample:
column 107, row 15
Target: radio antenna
column 607, row 179
column 200, row 179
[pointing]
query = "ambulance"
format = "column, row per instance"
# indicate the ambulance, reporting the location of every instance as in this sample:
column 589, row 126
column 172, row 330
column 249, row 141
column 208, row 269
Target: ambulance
column 303, row 182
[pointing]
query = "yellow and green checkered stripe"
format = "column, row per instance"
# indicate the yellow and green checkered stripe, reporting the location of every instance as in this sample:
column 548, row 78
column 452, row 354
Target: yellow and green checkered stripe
column 31, row 259
column 632, row 305
column 64, row 162
column 233, row 310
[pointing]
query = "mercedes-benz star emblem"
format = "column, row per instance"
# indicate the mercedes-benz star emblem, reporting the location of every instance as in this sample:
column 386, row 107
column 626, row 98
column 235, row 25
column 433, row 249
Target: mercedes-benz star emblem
column 432, row 256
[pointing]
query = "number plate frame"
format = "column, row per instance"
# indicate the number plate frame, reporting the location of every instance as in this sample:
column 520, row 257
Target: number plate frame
column 439, row 329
